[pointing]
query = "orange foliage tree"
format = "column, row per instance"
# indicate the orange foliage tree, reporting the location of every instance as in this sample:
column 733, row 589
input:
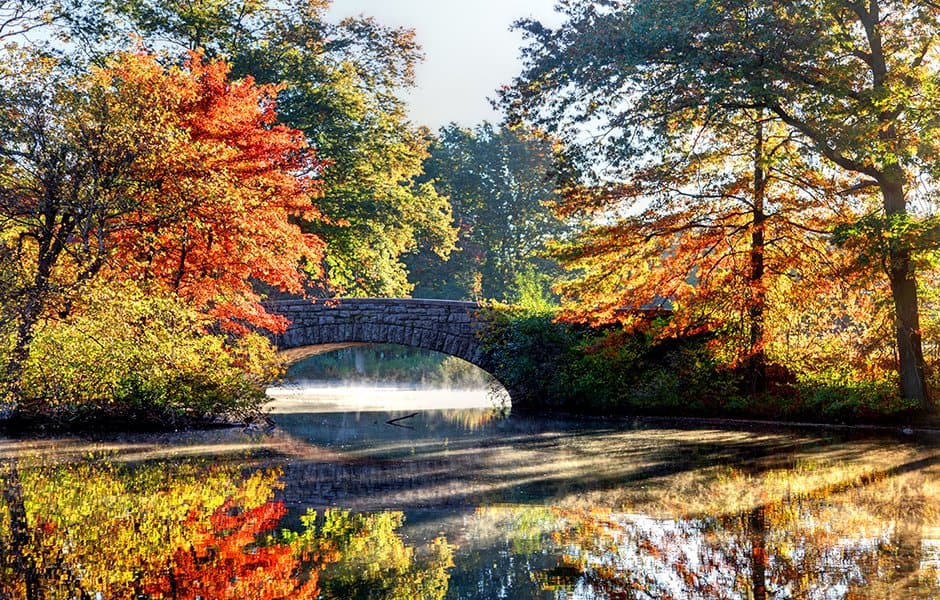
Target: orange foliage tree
column 215, row 212
column 726, row 227
column 173, row 177
column 853, row 83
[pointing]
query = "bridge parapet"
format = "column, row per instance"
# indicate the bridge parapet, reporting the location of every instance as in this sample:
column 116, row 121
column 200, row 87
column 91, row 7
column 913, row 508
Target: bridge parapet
column 440, row 325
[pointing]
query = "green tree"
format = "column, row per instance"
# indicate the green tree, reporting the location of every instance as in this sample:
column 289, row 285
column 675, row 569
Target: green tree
column 340, row 87
column 51, row 27
column 855, row 81
column 499, row 185
column 370, row 558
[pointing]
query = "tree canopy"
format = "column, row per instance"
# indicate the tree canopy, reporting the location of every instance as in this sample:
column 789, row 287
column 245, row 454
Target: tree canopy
column 854, row 83
column 340, row 85
column 499, row 184
column 174, row 177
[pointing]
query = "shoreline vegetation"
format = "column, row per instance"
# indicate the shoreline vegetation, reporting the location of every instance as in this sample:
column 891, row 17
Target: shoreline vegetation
column 552, row 364
column 560, row 368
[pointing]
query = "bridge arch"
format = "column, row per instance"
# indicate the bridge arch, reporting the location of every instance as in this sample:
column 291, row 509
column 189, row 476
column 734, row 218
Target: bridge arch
column 444, row 326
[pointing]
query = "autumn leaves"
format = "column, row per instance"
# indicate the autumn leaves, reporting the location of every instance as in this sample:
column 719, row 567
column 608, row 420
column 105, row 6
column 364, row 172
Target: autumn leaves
column 220, row 187
column 175, row 180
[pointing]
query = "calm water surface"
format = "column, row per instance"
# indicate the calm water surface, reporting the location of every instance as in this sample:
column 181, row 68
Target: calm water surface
column 336, row 502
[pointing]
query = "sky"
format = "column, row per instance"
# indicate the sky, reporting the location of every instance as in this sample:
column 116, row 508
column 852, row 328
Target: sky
column 468, row 46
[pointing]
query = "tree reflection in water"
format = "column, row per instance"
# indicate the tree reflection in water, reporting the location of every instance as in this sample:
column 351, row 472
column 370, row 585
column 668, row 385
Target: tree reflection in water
column 373, row 562
column 190, row 531
column 538, row 513
column 861, row 538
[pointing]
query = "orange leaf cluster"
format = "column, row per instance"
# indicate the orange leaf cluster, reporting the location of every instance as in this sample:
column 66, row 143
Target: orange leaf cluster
column 221, row 190
column 226, row 562
column 685, row 234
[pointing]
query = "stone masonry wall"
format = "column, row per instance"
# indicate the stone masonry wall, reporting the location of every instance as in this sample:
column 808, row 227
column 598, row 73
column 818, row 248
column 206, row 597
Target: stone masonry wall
column 439, row 325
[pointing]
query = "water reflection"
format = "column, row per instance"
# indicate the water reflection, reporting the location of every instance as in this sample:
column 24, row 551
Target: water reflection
column 101, row 528
column 826, row 527
column 96, row 529
column 603, row 554
column 470, row 504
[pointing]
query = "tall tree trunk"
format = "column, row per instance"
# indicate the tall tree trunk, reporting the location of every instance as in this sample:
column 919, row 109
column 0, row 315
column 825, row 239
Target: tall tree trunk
column 900, row 269
column 57, row 230
column 758, row 533
column 17, row 362
column 36, row 297
column 13, row 373
column 23, row 548
column 757, row 362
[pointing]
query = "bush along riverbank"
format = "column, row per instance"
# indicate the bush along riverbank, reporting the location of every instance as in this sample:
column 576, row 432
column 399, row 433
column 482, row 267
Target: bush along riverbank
column 129, row 359
column 556, row 366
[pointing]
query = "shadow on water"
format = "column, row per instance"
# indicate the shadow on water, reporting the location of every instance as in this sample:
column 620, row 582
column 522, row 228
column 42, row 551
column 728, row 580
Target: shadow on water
column 448, row 458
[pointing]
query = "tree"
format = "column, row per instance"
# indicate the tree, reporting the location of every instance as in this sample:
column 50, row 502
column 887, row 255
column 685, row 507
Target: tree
column 340, row 87
column 48, row 26
column 175, row 177
column 498, row 182
column 854, row 81
column 63, row 190
column 724, row 228
column 131, row 356
column 218, row 215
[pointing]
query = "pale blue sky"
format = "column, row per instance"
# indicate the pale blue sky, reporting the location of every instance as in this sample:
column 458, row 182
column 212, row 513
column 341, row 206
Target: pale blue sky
column 469, row 50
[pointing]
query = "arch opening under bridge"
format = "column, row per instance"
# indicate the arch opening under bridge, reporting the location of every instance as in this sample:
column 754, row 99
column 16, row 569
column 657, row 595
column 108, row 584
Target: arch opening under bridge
column 322, row 325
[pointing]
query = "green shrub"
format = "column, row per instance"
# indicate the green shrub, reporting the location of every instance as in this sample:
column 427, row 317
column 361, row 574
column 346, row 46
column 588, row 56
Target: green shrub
column 551, row 364
column 835, row 393
column 530, row 355
column 145, row 360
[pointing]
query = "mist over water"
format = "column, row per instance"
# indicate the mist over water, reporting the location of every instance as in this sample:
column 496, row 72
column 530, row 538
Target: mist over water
column 304, row 396
column 384, row 378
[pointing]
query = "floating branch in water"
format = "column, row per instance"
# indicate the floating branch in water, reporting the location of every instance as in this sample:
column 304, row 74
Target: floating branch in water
column 394, row 422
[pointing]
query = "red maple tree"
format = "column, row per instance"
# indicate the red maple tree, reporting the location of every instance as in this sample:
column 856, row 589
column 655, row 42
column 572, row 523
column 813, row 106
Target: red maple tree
column 216, row 210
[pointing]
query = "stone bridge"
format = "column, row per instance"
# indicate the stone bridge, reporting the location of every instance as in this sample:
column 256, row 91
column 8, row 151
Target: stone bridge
column 440, row 325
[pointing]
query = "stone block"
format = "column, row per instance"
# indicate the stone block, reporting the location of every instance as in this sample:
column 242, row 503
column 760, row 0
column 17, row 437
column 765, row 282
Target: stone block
column 450, row 345
column 434, row 324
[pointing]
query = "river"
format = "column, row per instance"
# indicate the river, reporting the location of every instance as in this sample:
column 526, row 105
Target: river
column 381, row 491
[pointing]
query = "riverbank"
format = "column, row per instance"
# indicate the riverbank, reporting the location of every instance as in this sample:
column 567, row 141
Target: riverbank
column 551, row 365
column 292, row 399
